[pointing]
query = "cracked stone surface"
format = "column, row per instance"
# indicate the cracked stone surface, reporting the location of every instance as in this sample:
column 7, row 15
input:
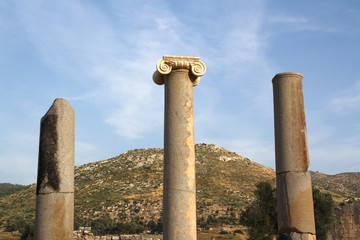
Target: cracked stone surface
column 294, row 190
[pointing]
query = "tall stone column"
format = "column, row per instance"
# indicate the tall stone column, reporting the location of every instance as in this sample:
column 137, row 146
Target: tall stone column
column 54, row 216
column 179, row 74
column 294, row 190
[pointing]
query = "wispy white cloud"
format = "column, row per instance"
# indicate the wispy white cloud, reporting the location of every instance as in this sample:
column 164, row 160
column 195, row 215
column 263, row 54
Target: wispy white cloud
column 240, row 41
column 287, row 19
column 300, row 22
column 79, row 39
column 243, row 69
column 115, row 64
column 342, row 154
column 320, row 134
column 347, row 101
column 332, row 146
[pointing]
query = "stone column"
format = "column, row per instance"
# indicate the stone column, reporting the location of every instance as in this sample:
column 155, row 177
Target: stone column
column 54, row 216
column 179, row 74
column 293, row 181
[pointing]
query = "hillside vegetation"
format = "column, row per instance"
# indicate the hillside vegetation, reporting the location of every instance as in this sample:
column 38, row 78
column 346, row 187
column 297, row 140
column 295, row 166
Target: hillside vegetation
column 128, row 188
column 8, row 189
column 340, row 185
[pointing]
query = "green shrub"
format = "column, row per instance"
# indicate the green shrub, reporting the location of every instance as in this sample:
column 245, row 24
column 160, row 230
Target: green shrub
column 261, row 215
column 155, row 227
column 324, row 213
column 28, row 232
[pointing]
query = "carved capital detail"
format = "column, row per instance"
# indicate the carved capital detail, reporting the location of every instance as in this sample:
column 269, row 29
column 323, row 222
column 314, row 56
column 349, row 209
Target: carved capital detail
column 168, row 63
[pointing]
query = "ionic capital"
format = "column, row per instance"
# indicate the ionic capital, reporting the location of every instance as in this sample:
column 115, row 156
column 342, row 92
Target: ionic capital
column 168, row 63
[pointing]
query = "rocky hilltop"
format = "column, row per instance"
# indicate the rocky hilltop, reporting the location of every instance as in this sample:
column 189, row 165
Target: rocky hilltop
column 129, row 186
column 340, row 185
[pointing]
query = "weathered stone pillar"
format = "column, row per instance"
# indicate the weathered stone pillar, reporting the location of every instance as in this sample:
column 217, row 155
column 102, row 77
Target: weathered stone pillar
column 294, row 190
column 54, row 216
column 180, row 74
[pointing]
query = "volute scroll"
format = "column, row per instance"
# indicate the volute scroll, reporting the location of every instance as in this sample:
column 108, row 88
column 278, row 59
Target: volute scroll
column 168, row 63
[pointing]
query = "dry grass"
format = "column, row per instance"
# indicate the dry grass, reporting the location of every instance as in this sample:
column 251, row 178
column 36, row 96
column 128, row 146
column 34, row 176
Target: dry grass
column 9, row 236
column 213, row 236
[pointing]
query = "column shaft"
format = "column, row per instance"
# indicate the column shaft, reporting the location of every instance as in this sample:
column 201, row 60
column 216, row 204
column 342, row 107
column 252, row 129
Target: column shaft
column 294, row 190
column 54, row 216
column 180, row 74
column 179, row 158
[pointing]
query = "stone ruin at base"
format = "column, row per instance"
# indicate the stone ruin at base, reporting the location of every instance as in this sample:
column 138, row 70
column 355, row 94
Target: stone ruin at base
column 84, row 233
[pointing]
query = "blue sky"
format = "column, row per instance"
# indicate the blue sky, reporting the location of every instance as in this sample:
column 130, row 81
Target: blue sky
column 100, row 56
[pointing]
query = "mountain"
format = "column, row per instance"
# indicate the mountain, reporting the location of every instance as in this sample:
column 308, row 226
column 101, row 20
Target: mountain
column 8, row 189
column 129, row 188
column 340, row 185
